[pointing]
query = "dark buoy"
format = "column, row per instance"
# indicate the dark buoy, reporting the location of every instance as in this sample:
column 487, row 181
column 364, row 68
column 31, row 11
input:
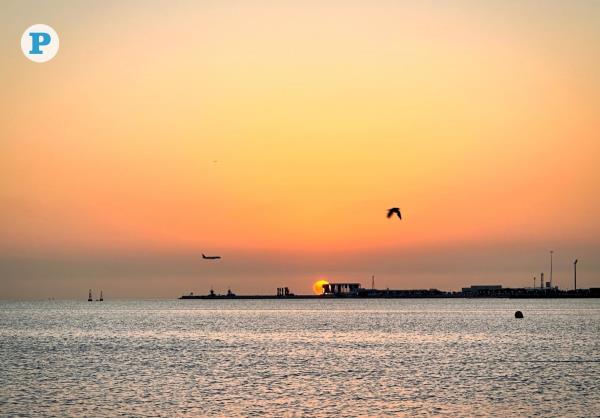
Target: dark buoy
column 519, row 314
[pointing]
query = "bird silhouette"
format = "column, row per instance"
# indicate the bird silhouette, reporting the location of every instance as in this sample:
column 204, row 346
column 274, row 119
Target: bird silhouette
column 394, row 211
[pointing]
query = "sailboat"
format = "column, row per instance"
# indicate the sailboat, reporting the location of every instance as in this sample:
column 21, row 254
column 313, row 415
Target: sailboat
column 101, row 298
column 90, row 296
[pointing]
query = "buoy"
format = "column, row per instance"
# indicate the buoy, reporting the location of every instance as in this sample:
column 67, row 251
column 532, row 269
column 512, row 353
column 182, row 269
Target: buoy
column 519, row 314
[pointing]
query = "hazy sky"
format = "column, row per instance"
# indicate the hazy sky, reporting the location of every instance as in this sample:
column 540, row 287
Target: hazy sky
column 277, row 134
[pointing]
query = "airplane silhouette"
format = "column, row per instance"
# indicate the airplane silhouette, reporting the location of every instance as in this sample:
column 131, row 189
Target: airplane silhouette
column 394, row 211
column 211, row 257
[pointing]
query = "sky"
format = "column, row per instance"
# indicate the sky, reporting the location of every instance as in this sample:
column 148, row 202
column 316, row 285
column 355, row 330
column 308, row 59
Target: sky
column 277, row 133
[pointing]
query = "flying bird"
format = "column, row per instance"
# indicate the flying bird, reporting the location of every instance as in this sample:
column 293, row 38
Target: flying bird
column 211, row 257
column 394, row 211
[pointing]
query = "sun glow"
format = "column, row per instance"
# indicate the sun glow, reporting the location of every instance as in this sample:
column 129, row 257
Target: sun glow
column 318, row 286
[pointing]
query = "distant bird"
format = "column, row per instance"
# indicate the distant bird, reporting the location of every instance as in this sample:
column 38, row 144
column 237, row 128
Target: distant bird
column 394, row 211
column 211, row 257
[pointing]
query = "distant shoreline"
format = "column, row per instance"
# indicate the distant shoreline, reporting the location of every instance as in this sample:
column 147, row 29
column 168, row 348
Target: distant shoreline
column 337, row 297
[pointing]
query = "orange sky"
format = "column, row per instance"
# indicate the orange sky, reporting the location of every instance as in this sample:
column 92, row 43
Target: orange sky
column 479, row 120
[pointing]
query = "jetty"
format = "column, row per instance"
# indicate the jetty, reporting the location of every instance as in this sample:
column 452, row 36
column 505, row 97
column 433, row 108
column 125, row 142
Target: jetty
column 355, row 290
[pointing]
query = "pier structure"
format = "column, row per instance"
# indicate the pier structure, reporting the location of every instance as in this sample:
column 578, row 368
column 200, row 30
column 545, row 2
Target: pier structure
column 340, row 289
column 283, row 292
column 354, row 290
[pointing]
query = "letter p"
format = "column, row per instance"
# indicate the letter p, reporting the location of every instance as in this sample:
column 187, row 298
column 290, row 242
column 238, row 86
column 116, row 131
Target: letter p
column 38, row 39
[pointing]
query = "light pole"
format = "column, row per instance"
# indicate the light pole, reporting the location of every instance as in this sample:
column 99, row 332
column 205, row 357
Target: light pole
column 551, row 252
column 575, row 274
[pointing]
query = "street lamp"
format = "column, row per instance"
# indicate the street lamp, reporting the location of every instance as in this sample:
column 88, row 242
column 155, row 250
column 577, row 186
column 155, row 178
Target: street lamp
column 551, row 252
column 575, row 274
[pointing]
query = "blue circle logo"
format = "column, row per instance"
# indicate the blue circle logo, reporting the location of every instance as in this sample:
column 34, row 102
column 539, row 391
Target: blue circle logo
column 39, row 43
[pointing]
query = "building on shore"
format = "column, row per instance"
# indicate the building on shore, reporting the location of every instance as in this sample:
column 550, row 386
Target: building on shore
column 341, row 289
column 481, row 290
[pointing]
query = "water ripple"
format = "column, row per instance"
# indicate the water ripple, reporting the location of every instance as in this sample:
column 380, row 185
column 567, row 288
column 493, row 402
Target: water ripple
column 300, row 358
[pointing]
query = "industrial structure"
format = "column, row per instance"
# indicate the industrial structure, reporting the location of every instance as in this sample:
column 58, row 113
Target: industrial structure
column 341, row 289
column 546, row 289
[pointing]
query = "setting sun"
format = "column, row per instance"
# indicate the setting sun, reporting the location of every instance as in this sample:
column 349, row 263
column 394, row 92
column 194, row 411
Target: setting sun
column 318, row 286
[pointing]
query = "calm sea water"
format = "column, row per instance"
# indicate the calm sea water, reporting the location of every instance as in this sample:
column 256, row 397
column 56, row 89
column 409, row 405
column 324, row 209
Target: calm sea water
column 300, row 357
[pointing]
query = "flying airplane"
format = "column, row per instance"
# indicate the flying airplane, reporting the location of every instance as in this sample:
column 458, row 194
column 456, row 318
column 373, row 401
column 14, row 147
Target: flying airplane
column 394, row 211
column 211, row 257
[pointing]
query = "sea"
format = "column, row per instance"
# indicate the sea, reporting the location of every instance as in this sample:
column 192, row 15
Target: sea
column 330, row 358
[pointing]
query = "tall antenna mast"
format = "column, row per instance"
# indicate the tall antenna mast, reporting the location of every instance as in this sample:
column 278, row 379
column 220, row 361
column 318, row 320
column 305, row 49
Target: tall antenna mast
column 551, row 252
column 575, row 274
